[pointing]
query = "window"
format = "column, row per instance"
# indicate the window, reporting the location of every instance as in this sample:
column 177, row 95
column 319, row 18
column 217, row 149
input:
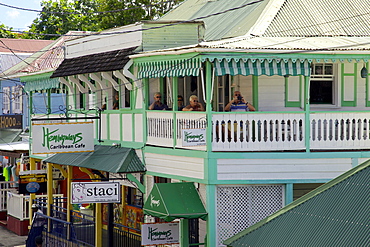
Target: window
column 6, row 100
column 17, row 100
column 322, row 84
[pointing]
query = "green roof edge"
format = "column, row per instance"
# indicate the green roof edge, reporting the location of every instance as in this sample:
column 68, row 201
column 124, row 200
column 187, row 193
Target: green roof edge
column 299, row 201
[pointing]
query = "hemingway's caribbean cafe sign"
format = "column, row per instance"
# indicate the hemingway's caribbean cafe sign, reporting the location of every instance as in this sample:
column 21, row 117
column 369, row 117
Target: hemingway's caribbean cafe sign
column 62, row 137
column 160, row 233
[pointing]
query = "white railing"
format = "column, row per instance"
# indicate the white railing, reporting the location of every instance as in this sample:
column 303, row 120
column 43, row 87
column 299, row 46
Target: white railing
column 5, row 187
column 258, row 131
column 18, row 204
column 161, row 127
column 188, row 120
column 340, row 130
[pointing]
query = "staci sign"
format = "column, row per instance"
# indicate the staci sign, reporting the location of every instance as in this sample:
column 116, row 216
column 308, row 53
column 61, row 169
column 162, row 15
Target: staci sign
column 62, row 137
column 160, row 233
column 193, row 137
column 96, row 192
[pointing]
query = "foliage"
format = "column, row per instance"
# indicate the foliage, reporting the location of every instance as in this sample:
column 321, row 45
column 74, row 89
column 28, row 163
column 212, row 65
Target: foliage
column 4, row 33
column 61, row 16
column 133, row 11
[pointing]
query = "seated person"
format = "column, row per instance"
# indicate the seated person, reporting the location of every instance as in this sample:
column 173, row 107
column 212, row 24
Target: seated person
column 180, row 103
column 239, row 104
column 157, row 104
column 116, row 102
column 194, row 104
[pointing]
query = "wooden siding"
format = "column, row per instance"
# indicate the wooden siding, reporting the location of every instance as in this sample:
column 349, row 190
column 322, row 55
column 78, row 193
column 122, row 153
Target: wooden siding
column 175, row 165
column 155, row 38
column 103, row 43
column 281, row 169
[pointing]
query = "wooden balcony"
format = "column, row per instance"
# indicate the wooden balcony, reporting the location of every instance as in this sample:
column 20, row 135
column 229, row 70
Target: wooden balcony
column 265, row 131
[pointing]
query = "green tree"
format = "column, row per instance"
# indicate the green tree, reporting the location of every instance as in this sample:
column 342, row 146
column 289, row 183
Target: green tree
column 6, row 32
column 61, row 16
column 132, row 11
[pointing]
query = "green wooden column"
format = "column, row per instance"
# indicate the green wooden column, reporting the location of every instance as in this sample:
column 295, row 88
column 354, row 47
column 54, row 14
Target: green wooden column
column 307, row 111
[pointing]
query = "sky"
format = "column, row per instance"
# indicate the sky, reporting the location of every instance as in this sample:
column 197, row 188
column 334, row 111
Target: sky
column 19, row 20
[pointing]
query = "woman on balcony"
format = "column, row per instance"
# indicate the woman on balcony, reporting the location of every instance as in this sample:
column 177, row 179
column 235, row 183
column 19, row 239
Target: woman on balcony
column 195, row 105
column 239, row 104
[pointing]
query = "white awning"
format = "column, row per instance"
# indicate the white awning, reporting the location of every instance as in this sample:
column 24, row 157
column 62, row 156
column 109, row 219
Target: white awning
column 15, row 146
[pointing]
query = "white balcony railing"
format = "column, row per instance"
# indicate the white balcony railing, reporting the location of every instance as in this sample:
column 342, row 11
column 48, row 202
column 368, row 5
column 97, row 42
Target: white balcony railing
column 161, row 127
column 5, row 187
column 340, row 130
column 18, row 204
column 258, row 132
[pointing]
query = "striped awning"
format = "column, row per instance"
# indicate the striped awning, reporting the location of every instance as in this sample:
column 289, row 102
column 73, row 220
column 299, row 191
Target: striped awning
column 171, row 68
column 240, row 66
column 39, row 82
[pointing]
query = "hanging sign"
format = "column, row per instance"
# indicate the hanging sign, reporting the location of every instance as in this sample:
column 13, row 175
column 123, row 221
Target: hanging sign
column 193, row 137
column 32, row 183
column 10, row 121
column 74, row 137
column 96, row 192
column 160, row 233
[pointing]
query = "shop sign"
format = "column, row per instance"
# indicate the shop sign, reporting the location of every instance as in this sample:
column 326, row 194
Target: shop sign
column 96, row 192
column 10, row 121
column 160, row 233
column 62, row 137
column 32, row 183
column 193, row 137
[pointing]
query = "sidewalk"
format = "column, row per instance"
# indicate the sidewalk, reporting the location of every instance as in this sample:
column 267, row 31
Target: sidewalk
column 10, row 239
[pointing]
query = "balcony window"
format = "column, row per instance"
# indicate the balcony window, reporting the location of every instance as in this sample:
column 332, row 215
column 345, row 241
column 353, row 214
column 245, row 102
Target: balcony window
column 322, row 84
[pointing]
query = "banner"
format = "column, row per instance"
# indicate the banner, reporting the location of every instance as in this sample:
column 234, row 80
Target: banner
column 95, row 192
column 160, row 233
column 50, row 138
column 193, row 137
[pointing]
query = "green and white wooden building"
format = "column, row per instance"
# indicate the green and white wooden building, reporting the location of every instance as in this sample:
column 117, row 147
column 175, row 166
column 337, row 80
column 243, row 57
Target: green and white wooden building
column 303, row 65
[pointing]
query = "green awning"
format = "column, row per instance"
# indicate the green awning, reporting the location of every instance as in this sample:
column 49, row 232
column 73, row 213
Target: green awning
column 171, row 68
column 10, row 135
column 40, row 82
column 262, row 66
column 170, row 201
column 104, row 158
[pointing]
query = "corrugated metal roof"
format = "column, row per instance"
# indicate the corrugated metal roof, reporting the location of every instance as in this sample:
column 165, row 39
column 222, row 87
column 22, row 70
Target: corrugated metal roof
column 320, row 18
column 277, row 18
column 104, row 158
column 335, row 214
column 294, row 43
column 22, row 45
column 47, row 59
column 229, row 24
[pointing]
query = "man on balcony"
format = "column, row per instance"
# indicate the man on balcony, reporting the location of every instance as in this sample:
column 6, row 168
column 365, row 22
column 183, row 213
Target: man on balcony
column 239, row 104
column 157, row 104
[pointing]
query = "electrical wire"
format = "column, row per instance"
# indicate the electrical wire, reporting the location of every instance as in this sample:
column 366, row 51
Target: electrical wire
column 85, row 13
column 143, row 29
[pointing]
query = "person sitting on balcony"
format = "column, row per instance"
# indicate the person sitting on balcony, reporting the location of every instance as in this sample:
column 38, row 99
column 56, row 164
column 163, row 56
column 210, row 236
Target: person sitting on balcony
column 239, row 104
column 116, row 102
column 157, row 104
column 195, row 105
column 180, row 103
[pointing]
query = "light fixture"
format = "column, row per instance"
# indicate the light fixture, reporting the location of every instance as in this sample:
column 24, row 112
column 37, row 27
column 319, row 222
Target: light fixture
column 364, row 72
